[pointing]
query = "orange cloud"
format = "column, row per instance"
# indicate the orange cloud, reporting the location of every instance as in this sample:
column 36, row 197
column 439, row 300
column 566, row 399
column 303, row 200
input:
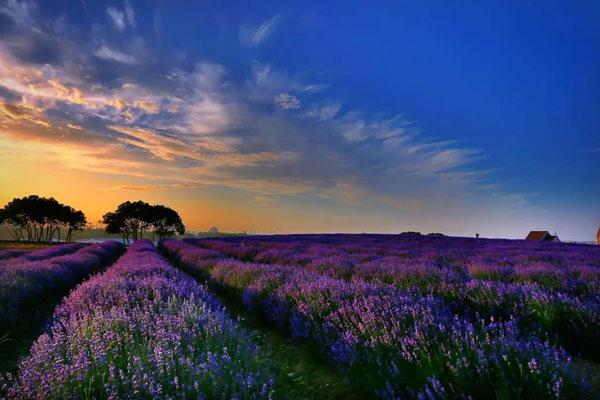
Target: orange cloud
column 152, row 188
column 69, row 94
column 168, row 148
column 19, row 113
column 148, row 106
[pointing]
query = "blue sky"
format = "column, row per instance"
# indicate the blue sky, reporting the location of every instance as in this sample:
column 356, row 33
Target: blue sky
column 460, row 117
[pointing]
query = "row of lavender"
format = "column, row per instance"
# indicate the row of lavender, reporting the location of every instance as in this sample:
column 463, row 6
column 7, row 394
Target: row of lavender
column 16, row 256
column 399, row 343
column 552, row 289
column 142, row 329
column 29, row 277
column 10, row 253
column 410, row 260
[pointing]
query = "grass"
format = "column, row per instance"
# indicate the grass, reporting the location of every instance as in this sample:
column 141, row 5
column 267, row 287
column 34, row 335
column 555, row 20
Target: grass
column 591, row 370
column 300, row 373
column 9, row 244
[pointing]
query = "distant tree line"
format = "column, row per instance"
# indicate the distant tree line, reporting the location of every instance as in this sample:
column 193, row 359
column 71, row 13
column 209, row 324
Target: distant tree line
column 134, row 220
column 39, row 219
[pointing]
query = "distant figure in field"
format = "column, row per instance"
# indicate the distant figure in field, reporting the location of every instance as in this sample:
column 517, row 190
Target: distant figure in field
column 477, row 235
column 213, row 231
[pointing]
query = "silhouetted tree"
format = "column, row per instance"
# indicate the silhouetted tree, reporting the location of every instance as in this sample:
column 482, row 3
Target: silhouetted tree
column 39, row 219
column 165, row 222
column 75, row 221
column 133, row 219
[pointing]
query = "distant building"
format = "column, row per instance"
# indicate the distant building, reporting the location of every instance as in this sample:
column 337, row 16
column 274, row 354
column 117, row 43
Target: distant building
column 542, row 236
column 213, row 231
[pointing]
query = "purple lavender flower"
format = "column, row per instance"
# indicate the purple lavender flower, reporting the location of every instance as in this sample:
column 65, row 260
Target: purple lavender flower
column 142, row 329
column 419, row 317
column 25, row 281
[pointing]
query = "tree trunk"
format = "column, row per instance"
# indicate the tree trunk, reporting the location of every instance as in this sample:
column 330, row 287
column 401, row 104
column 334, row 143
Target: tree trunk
column 15, row 232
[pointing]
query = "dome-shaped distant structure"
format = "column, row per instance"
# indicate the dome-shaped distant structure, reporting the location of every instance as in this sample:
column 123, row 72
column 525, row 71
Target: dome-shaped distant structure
column 213, row 230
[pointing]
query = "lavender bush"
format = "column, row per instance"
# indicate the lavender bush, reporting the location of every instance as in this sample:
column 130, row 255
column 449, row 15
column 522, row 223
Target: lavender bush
column 402, row 343
column 10, row 253
column 53, row 251
column 17, row 256
column 549, row 288
column 142, row 330
column 25, row 282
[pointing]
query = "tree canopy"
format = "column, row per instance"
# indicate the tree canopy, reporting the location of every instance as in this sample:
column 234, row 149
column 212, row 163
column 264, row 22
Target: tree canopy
column 39, row 219
column 134, row 219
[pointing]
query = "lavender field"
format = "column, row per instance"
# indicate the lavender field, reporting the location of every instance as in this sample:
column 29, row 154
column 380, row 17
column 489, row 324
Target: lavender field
column 171, row 173
column 306, row 316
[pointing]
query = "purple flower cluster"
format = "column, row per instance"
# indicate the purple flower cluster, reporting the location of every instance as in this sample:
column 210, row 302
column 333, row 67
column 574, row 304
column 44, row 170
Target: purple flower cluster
column 549, row 288
column 396, row 334
column 53, row 251
column 10, row 253
column 15, row 256
column 23, row 282
column 142, row 329
column 558, row 266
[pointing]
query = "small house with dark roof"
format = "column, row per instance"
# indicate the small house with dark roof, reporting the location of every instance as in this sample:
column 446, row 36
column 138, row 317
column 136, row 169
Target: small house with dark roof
column 542, row 236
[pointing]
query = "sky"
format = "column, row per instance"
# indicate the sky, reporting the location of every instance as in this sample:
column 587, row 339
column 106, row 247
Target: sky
column 308, row 116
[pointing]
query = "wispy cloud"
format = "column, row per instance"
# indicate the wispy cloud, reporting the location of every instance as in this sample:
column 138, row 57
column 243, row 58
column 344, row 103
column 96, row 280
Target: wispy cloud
column 117, row 17
column 130, row 14
column 19, row 12
column 286, row 101
column 324, row 112
column 153, row 188
column 208, row 150
column 20, row 113
column 122, row 18
column 107, row 53
column 253, row 36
